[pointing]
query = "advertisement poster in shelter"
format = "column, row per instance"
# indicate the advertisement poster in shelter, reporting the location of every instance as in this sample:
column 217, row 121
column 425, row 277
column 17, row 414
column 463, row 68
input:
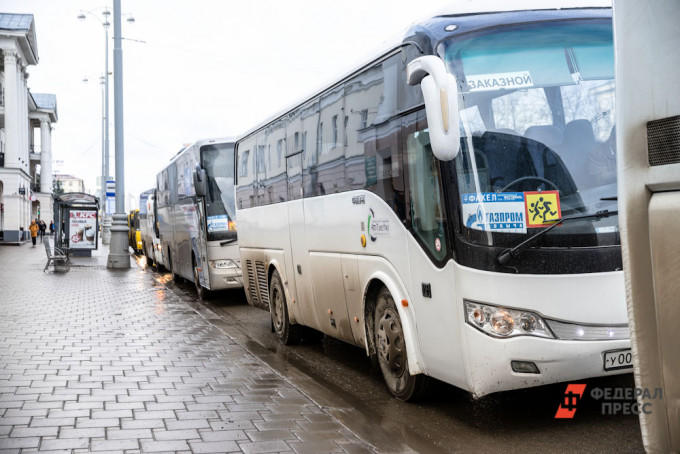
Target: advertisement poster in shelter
column 82, row 229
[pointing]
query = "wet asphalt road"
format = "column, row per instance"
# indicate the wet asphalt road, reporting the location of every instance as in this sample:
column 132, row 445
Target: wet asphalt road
column 449, row 420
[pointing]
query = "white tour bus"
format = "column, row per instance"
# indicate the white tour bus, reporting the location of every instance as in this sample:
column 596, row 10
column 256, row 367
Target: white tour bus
column 195, row 215
column 450, row 206
column 151, row 242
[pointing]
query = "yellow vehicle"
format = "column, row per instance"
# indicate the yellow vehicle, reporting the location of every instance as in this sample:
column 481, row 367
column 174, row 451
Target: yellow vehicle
column 134, row 233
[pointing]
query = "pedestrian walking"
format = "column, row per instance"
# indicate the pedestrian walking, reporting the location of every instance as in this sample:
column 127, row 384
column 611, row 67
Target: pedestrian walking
column 51, row 228
column 34, row 231
column 42, row 226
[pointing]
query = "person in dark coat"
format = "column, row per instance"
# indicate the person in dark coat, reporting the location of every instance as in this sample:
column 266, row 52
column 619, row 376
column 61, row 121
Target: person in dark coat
column 42, row 227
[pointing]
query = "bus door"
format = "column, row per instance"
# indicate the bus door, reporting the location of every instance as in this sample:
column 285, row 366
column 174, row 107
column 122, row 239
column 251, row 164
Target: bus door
column 432, row 286
column 200, row 245
column 299, row 286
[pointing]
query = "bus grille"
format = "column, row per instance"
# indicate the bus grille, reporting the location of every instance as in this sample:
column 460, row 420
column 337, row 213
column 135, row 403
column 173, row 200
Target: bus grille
column 663, row 141
column 252, row 289
column 262, row 284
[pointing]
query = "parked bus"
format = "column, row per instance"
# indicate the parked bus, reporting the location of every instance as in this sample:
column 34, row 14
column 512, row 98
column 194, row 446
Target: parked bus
column 151, row 243
column 450, row 206
column 196, row 216
column 134, row 234
column 648, row 122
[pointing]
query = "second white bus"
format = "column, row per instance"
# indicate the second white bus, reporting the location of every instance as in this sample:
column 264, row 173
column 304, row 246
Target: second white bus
column 196, row 216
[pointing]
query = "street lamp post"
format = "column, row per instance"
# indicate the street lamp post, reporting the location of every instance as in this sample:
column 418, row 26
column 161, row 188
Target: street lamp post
column 106, row 234
column 119, row 256
column 105, row 157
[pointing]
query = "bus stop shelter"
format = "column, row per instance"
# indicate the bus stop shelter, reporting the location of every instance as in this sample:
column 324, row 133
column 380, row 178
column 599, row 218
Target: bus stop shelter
column 76, row 223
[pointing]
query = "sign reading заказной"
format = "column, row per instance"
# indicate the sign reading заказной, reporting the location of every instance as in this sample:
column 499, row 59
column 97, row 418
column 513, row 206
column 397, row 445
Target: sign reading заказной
column 482, row 82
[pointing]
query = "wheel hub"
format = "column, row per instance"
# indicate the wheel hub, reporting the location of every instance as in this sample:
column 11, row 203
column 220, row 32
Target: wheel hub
column 278, row 308
column 390, row 342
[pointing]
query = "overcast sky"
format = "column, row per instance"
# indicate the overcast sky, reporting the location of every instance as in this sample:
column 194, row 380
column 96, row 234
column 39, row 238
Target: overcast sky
column 205, row 68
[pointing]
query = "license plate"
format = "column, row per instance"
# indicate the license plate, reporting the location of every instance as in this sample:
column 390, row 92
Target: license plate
column 618, row 359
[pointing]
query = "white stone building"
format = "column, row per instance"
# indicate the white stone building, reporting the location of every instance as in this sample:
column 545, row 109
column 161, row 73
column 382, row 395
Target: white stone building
column 21, row 114
column 69, row 183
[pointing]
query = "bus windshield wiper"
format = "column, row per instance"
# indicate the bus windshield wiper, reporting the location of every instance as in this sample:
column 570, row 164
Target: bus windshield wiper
column 505, row 256
column 614, row 198
column 225, row 242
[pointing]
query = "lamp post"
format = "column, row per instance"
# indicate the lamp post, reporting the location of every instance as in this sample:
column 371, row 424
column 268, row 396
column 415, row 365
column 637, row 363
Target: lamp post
column 119, row 256
column 106, row 234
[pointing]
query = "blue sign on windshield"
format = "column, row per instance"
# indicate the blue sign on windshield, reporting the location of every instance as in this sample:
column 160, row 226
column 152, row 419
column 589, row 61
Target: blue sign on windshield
column 495, row 211
column 218, row 223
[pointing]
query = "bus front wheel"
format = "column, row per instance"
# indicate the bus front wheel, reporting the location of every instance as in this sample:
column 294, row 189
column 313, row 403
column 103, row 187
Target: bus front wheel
column 149, row 257
column 202, row 292
column 286, row 332
column 391, row 351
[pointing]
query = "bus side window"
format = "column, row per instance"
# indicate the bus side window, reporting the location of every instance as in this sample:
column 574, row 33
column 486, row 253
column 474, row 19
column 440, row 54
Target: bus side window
column 425, row 201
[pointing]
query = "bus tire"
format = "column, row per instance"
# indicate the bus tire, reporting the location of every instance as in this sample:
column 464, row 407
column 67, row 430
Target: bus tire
column 286, row 332
column 391, row 351
column 176, row 278
column 202, row 292
column 149, row 257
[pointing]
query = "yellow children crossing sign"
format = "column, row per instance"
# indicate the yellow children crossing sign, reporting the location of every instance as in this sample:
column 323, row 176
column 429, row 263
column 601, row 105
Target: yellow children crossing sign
column 542, row 208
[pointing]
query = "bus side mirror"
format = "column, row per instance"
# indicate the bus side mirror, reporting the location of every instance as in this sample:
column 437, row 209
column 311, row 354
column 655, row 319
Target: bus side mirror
column 441, row 104
column 200, row 182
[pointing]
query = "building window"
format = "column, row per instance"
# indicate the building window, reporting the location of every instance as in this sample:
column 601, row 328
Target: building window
column 244, row 164
column 345, row 140
column 334, row 125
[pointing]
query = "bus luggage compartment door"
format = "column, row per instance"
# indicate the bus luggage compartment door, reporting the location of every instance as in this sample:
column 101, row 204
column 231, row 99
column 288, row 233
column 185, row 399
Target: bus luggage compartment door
column 329, row 294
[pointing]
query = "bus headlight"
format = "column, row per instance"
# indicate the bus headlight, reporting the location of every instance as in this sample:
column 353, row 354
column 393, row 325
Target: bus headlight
column 223, row 264
column 502, row 322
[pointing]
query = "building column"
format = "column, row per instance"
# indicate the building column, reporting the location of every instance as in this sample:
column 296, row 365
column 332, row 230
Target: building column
column 45, row 156
column 25, row 201
column 24, row 120
column 12, row 134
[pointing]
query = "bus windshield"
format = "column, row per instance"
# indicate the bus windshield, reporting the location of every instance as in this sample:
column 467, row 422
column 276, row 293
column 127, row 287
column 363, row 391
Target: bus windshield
column 538, row 132
column 218, row 161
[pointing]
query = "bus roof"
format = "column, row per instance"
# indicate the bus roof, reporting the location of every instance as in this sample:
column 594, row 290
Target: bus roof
column 201, row 142
column 476, row 14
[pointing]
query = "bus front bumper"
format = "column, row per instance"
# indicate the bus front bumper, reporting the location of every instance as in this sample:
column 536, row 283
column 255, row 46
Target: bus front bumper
column 491, row 370
column 226, row 278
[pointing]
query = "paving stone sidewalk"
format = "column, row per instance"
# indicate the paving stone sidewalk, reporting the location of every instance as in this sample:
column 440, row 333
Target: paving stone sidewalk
column 94, row 360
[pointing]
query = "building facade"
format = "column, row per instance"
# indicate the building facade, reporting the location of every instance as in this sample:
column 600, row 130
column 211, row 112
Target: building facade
column 69, row 183
column 25, row 133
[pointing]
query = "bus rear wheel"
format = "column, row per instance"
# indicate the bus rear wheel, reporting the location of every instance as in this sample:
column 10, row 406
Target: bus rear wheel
column 391, row 351
column 175, row 277
column 286, row 332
